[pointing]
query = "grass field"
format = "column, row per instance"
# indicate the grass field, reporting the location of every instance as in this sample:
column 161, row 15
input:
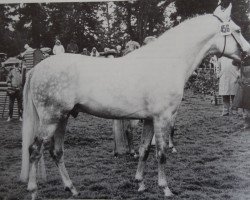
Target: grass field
column 213, row 159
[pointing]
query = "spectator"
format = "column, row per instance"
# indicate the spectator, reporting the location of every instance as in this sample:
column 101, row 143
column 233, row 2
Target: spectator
column 214, row 64
column 38, row 56
column 14, row 81
column 27, row 49
column 72, row 47
column 118, row 51
column 27, row 56
column 58, row 48
column 131, row 46
column 85, row 52
column 94, row 52
column 228, row 76
column 149, row 39
column 242, row 96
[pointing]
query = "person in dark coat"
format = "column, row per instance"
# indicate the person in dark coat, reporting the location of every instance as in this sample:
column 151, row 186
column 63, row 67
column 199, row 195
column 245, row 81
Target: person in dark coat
column 38, row 56
column 14, row 91
column 72, row 47
column 85, row 52
column 242, row 97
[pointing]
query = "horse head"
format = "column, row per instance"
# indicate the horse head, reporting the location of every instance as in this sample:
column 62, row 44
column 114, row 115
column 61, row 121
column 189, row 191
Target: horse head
column 229, row 41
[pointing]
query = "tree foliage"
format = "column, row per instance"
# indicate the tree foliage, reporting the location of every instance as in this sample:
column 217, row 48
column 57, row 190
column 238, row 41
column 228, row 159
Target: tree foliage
column 100, row 24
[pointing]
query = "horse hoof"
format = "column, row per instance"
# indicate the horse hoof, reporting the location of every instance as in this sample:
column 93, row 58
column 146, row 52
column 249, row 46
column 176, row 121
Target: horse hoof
column 167, row 192
column 174, row 150
column 34, row 195
column 76, row 194
column 142, row 187
column 67, row 189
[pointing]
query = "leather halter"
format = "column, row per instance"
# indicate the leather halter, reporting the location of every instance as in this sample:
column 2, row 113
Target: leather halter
column 225, row 39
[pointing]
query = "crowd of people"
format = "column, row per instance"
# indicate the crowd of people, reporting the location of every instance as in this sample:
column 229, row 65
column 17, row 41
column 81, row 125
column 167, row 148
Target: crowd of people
column 72, row 47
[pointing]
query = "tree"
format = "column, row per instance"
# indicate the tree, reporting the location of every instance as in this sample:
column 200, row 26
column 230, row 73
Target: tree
column 240, row 11
column 33, row 21
column 142, row 18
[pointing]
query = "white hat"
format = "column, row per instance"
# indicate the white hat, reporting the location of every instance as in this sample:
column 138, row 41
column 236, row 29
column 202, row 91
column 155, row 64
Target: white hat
column 26, row 46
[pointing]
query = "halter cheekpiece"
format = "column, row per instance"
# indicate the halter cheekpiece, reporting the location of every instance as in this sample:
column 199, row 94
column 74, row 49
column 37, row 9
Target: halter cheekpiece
column 225, row 38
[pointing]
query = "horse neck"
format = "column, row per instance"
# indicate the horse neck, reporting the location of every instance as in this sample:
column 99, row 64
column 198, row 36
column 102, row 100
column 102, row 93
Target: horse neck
column 184, row 46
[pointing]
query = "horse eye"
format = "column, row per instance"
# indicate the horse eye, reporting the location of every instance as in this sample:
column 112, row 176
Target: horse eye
column 238, row 31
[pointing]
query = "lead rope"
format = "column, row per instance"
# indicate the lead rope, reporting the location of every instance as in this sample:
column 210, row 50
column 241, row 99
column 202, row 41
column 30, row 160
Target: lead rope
column 225, row 43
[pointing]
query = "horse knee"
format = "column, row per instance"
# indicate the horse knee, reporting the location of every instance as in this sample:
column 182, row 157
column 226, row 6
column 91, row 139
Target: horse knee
column 56, row 154
column 162, row 156
column 143, row 153
column 35, row 150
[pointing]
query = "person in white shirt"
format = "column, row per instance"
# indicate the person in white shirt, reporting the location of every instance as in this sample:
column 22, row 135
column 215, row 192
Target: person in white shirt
column 27, row 49
column 228, row 76
column 58, row 48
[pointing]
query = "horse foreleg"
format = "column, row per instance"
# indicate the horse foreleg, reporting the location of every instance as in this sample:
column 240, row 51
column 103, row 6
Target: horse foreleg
column 147, row 135
column 171, row 134
column 171, row 139
column 56, row 153
column 35, row 151
column 162, row 127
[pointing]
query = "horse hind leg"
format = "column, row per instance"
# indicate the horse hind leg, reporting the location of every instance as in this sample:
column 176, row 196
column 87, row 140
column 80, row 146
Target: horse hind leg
column 56, row 152
column 35, row 151
column 146, row 138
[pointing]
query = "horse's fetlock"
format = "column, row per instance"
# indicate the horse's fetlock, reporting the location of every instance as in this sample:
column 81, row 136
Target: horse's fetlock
column 56, row 155
column 35, row 150
column 138, row 178
column 162, row 157
column 162, row 183
column 32, row 187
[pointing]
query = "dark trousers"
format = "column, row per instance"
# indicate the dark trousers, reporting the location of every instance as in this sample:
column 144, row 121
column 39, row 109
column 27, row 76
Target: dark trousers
column 16, row 96
column 226, row 102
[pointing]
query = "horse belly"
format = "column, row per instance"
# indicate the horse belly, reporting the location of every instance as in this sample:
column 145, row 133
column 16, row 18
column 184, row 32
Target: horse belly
column 112, row 111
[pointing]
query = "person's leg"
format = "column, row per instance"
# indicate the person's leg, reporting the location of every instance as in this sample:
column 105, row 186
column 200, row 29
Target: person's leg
column 233, row 110
column 11, row 105
column 246, row 119
column 19, row 105
column 226, row 105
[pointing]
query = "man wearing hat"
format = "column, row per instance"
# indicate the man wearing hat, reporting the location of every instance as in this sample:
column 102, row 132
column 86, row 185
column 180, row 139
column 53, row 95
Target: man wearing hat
column 72, row 47
column 14, row 91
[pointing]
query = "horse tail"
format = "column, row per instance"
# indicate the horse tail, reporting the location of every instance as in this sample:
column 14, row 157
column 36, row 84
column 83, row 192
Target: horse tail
column 29, row 128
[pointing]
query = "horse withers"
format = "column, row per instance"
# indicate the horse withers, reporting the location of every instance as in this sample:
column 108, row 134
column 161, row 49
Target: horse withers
column 145, row 84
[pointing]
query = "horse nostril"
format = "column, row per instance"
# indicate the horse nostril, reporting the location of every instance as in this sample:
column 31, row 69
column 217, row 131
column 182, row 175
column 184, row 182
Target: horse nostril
column 244, row 54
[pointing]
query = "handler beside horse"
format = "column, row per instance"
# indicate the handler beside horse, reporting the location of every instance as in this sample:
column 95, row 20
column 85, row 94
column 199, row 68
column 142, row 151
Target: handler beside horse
column 146, row 84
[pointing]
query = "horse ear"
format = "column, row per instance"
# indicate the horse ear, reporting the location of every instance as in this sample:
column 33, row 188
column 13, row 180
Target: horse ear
column 224, row 14
column 218, row 11
column 228, row 11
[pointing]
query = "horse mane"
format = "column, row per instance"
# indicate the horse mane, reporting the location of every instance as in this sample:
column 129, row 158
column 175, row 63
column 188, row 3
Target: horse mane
column 176, row 35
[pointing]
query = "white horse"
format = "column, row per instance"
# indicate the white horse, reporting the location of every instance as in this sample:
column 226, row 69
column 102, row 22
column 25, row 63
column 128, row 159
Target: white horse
column 146, row 84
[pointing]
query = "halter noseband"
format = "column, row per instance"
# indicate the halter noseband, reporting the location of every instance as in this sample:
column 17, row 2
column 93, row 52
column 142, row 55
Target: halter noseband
column 225, row 39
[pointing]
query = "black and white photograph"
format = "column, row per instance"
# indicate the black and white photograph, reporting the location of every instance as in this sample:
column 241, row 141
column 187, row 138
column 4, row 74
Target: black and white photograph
column 125, row 99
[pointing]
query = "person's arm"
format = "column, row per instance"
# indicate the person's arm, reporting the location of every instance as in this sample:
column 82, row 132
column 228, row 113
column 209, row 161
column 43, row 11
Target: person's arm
column 68, row 49
column 9, row 79
column 63, row 50
column 54, row 50
column 219, row 69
